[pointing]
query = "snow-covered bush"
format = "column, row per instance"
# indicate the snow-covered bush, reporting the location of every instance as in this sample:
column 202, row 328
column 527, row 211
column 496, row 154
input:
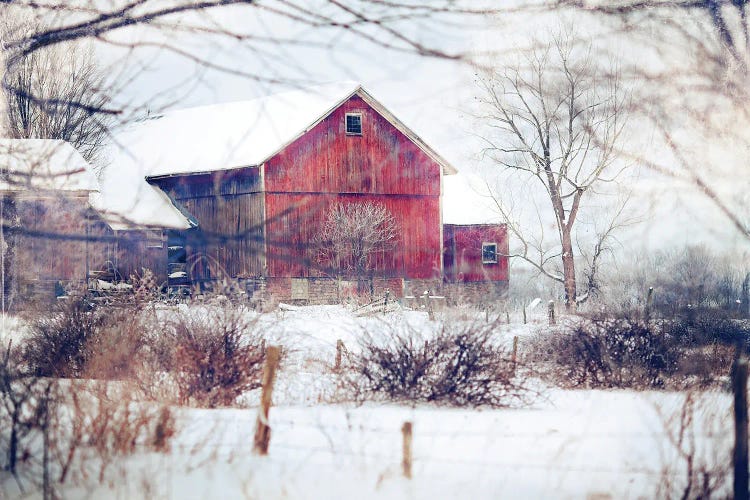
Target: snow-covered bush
column 627, row 351
column 212, row 355
column 461, row 364
column 57, row 342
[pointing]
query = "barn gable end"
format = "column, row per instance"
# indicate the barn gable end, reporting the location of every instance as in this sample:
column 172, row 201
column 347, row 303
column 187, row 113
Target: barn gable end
column 328, row 166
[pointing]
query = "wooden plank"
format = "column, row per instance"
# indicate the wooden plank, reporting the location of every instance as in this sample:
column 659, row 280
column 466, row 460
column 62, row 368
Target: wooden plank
column 294, row 220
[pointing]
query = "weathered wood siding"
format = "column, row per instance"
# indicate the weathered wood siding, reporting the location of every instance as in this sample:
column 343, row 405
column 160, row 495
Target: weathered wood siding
column 49, row 239
column 229, row 208
column 463, row 252
column 139, row 250
column 325, row 166
column 294, row 221
column 59, row 240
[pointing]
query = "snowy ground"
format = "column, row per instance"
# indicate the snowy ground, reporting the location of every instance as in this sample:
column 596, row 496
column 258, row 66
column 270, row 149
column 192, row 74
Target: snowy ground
column 569, row 444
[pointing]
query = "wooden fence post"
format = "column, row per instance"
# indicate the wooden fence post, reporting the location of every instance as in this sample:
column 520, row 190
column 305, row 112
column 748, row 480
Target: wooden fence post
column 524, row 315
column 739, row 384
column 406, row 431
column 46, row 486
column 262, row 429
column 339, row 353
column 551, row 312
column 507, row 317
column 515, row 353
column 385, row 301
column 649, row 302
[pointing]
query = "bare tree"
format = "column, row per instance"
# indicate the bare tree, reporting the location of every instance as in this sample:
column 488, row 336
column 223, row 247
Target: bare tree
column 56, row 93
column 694, row 90
column 351, row 236
column 556, row 120
column 40, row 92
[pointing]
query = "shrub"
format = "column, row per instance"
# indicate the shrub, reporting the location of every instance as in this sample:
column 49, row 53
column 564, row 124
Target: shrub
column 692, row 276
column 78, row 339
column 706, row 326
column 212, row 357
column 24, row 400
column 102, row 423
column 610, row 352
column 56, row 345
column 695, row 466
column 626, row 351
column 117, row 349
column 462, row 364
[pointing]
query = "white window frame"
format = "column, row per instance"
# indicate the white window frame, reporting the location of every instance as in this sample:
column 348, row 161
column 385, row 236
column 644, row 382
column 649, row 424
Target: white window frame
column 346, row 122
column 154, row 238
column 487, row 244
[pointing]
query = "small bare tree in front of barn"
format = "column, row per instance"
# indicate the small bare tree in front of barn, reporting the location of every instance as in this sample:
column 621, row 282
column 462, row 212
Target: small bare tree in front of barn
column 58, row 92
column 351, row 236
column 554, row 119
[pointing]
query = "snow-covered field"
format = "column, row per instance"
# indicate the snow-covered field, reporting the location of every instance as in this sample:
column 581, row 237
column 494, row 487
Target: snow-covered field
column 567, row 444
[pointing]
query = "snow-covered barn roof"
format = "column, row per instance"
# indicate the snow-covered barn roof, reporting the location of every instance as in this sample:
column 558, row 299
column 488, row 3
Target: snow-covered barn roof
column 467, row 199
column 44, row 165
column 126, row 205
column 213, row 138
column 241, row 134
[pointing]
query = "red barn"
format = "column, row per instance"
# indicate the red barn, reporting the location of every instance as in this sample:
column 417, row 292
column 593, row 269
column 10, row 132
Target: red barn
column 475, row 249
column 257, row 179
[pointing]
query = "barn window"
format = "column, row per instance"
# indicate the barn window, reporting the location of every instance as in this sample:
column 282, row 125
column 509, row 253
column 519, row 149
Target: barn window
column 154, row 239
column 354, row 124
column 489, row 253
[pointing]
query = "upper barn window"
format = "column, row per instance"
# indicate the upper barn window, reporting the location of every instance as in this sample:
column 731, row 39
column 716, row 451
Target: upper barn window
column 354, row 124
column 489, row 253
column 154, row 238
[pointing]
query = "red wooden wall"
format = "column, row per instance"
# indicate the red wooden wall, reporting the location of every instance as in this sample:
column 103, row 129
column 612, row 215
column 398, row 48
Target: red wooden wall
column 326, row 166
column 463, row 252
column 294, row 220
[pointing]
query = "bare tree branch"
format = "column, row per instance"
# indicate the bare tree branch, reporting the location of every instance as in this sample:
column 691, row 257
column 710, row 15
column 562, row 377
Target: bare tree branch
column 572, row 118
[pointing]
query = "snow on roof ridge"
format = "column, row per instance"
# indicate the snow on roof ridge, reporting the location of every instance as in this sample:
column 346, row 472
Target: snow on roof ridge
column 207, row 139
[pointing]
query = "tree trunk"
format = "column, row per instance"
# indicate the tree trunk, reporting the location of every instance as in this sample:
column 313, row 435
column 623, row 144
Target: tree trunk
column 569, row 272
column 13, row 445
column 4, row 115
